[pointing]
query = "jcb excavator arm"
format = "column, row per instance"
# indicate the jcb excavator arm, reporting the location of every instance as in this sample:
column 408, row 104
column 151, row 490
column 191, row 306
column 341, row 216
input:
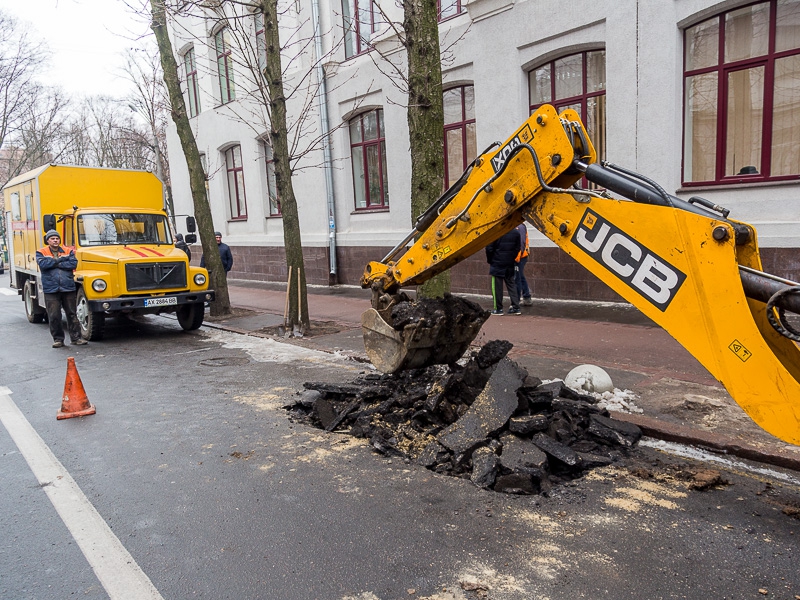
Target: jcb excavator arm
column 685, row 265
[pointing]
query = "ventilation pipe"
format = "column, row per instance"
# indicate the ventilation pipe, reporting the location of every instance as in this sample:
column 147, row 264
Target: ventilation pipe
column 326, row 142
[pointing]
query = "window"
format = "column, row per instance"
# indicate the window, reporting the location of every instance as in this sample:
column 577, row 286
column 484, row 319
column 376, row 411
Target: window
column 460, row 143
column 235, row 172
column 261, row 42
column 272, row 186
column 578, row 82
column 368, row 152
column 742, row 95
column 227, row 92
column 190, row 67
column 361, row 20
column 449, row 8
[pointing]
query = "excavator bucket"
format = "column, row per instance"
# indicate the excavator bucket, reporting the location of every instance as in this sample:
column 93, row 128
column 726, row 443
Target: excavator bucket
column 420, row 334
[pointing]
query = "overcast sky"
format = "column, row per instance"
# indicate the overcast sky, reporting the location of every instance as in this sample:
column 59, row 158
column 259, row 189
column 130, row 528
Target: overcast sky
column 86, row 39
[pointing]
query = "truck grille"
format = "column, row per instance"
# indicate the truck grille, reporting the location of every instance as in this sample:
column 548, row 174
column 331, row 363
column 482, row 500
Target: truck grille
column 144, row 276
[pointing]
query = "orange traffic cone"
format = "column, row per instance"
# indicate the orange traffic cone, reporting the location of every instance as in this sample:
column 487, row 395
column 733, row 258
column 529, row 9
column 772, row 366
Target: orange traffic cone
column 75, row 403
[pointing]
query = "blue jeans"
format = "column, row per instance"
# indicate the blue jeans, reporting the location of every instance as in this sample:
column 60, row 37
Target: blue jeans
column 522, row 283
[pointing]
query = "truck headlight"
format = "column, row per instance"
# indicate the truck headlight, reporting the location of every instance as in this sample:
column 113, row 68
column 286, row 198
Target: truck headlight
column 199, row 279
column 99, row 285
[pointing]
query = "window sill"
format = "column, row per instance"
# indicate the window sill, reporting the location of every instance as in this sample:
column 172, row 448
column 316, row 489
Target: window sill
column 684, row 189
column 377, row 209
column 237, row 219
column 224, row 104
column 268, row 217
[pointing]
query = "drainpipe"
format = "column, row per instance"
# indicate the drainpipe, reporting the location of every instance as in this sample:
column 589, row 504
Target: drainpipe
column 326, row 142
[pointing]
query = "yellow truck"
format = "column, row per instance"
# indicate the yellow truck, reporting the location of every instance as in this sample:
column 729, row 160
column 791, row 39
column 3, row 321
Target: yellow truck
column 115, row 220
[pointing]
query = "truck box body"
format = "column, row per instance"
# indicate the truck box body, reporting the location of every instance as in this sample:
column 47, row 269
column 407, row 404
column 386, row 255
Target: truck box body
column 115, row 220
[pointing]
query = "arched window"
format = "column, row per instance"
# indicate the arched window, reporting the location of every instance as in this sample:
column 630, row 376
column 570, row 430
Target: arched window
column 222, row 43
column 368, row 154
column 235, row 175
column 577, row 81
column 193, row 97
column 460, row 140
column 742, row 95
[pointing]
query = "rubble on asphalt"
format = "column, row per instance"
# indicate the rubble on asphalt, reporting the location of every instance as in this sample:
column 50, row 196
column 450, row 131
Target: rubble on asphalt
column 484, row 419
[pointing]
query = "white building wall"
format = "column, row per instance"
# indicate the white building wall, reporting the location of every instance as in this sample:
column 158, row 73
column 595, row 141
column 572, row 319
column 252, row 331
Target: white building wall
column 492, row 45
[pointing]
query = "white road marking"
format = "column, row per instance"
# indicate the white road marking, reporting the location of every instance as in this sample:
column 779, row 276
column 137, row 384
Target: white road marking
column 8, row 292
column 112, row 563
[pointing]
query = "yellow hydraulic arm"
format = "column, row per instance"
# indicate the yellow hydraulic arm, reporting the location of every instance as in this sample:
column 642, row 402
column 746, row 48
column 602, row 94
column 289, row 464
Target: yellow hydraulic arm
column 685, row 265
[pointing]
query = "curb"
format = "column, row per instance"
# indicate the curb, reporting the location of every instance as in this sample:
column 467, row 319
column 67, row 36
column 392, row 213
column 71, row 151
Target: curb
column 671, row 432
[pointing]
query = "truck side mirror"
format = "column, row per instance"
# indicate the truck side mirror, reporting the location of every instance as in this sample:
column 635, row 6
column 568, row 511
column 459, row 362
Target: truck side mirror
column 48, row 222
column 190, row 238
column 191, row 227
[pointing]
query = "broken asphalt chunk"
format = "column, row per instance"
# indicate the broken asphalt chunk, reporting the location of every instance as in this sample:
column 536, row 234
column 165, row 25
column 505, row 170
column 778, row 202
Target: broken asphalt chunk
column 490, row 411
column 616, row 432
column 557, row 451
column 485, row 464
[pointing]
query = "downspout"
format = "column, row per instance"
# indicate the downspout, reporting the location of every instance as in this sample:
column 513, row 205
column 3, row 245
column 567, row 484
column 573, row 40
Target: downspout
column 326, row 142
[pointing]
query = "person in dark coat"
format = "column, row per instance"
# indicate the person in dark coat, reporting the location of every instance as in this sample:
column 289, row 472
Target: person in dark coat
column 181, row 244
column 502, row 258
column 57, row 264
column 224, row 254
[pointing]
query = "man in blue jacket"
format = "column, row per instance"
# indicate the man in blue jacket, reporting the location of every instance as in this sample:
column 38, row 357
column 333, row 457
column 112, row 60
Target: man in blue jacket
column 56, row 264
column 501, row 255
column 224, row 253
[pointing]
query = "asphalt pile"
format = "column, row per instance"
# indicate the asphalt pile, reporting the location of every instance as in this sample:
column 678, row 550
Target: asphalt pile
column 485, row 419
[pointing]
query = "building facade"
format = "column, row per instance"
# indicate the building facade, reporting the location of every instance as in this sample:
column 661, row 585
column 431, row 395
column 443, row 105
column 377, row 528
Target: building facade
column 701, row 96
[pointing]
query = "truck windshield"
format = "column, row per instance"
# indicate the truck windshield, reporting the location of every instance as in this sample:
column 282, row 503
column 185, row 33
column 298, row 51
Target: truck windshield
column 103, row 229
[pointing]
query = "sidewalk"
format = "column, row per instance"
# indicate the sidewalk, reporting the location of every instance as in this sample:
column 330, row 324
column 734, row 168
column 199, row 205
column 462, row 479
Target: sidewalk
column 680, row 400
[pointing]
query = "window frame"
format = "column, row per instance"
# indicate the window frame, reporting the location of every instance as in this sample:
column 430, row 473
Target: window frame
column 459, row 125
column 380, row 142
column 237, row 202
column 269, row 171
column 360, row 44
column 192, row 87
column 723, row 69
column 461, row 8
column 582, row 99
column 227, row 92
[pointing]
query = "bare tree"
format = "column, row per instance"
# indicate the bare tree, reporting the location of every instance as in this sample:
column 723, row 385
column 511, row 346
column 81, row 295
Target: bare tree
column 20, row 55
column 149, row 100
column 202, row 209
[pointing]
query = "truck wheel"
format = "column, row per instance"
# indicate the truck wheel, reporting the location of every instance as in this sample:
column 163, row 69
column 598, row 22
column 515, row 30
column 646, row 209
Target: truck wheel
column 92, row 323
column 33, row 311
column 190, row 316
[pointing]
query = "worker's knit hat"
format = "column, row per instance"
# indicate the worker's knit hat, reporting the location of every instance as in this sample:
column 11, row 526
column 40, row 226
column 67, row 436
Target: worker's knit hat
column 51, row 233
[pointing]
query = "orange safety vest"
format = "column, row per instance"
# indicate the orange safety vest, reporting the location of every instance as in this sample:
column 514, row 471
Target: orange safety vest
column 46, row 251
column 524, row 251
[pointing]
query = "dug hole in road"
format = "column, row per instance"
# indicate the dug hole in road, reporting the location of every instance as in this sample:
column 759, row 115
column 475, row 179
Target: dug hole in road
column 194, row 465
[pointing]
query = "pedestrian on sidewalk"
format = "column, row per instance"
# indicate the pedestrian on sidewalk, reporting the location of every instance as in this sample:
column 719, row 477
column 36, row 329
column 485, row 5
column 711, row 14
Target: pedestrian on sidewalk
column 224, row 254
column 181, row 244
column 524, row 252
column 57, row 265
column 502, row 258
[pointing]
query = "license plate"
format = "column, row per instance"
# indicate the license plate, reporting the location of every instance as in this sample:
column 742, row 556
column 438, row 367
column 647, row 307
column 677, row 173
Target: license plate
column 166, row 301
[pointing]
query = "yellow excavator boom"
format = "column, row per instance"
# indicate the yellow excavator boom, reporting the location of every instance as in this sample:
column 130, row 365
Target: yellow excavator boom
column 686, row 265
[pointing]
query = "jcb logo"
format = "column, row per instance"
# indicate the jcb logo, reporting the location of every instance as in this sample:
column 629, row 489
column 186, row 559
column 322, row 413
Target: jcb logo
column 640, row 268
column 523, row 137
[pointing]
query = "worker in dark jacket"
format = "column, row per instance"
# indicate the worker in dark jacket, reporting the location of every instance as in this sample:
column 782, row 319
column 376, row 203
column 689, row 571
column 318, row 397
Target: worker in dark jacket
column 502, row 258
column 182, row 245
column 224, row 254
column 57, row 264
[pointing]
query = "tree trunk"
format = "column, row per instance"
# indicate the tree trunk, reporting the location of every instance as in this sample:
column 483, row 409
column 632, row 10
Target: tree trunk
column 298, row 300
column 425, row 117
column 202, row 209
